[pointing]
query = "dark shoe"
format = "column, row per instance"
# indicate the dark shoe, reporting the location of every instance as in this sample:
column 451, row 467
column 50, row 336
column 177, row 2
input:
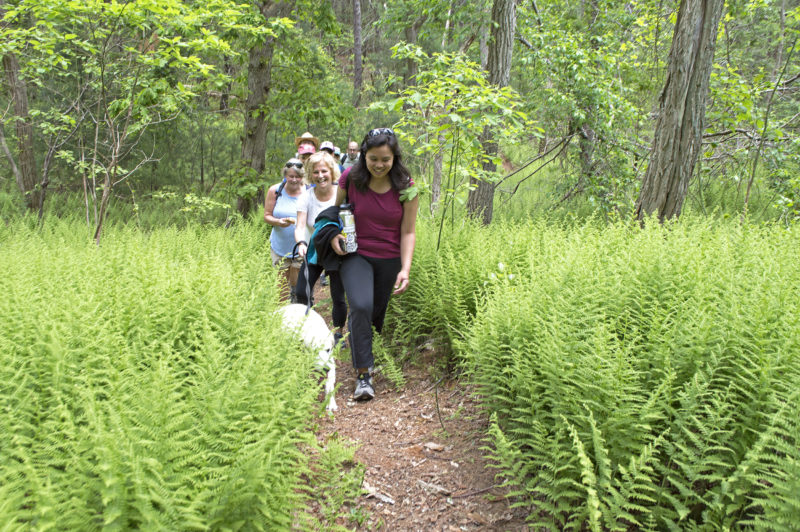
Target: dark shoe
column 324, row 281
column 338, row 340
column 364, row 390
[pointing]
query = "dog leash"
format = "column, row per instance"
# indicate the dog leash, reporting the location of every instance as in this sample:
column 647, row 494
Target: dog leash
column 305, row 270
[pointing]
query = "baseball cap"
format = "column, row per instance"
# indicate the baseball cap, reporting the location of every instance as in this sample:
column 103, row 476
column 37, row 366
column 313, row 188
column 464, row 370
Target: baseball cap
column 327, row 145
column 305, row 148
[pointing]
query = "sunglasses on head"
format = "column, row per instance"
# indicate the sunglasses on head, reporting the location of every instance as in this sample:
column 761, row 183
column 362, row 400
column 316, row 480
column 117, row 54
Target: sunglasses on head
column 296, row 164
column 381, row 131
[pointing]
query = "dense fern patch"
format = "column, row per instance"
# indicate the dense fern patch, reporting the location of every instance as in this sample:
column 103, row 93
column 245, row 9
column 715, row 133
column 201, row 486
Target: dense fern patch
column 143, row 383
column 643, row 378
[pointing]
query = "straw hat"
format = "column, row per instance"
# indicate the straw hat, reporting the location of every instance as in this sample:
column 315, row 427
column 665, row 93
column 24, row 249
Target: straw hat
column 307, row 137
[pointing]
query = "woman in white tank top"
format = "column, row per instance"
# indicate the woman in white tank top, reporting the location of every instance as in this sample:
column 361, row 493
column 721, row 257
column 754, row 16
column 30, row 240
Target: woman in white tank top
column 322, row 172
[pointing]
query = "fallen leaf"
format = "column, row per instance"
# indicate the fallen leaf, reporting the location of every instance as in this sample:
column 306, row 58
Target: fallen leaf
column 478, row 518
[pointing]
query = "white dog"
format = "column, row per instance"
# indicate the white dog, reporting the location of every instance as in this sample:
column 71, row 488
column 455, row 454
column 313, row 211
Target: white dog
column 312, row 329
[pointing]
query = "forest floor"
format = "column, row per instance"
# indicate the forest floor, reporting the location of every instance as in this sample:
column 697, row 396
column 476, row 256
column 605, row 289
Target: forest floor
column 420, row 450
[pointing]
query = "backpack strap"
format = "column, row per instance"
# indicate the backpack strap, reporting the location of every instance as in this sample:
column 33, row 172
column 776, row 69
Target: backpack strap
column 280, row 189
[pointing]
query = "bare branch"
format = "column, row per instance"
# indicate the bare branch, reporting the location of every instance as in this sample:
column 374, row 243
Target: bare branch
column 530, row 162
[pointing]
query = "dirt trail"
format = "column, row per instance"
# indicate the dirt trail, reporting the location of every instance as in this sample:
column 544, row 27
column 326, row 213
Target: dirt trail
column 420, row 476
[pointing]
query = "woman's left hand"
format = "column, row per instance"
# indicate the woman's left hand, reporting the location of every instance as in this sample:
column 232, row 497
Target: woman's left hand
column 401, row 283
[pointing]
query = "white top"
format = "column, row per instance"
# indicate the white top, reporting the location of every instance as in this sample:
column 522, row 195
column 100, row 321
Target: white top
column 309, row 204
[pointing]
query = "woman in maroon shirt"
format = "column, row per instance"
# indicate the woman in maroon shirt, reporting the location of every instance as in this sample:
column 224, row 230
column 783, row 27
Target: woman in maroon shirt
column 385, row 233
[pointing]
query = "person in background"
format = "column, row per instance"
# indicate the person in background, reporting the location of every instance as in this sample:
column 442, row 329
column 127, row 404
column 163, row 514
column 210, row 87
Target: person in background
column 337, row 154
column 386, row 236
column 327, row 146
column 307, row 144
column 323, row 173
column 280, row 211
column 350, row 158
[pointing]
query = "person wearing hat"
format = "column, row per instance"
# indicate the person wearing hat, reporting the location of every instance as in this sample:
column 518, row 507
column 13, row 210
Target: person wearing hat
column 337, row 154
column 306, row 145
column 333, row 150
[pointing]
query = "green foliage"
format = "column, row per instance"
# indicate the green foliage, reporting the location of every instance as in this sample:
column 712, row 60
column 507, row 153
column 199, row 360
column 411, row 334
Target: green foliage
column 444, row 113
column 388, row 364
column 638, row 378
column 633, row 382
column 145, row 383
column 335, row 482
column 109, row 72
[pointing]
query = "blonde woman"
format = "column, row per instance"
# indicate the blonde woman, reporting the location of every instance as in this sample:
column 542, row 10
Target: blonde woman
column 323, row 173
column 280, row 211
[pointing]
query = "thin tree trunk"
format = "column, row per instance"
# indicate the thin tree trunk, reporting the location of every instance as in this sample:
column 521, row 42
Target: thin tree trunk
column 10, row 157
column 446, row 34
column 679, row 128
column 480, row 201
column 764, row 130
column 436, row 183
column 26, row 161
column 412, row 34
column 588, row 137
column 358, row 68
column 484, row 46
column 781, row 40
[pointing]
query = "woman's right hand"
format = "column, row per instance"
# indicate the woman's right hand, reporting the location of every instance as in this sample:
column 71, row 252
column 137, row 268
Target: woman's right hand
column 285, row 222
column 337, row 244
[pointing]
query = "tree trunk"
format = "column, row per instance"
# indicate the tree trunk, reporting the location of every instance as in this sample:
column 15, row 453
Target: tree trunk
column 26, row 161
column 254, row 140
column 436, row 183
column 412, row 34
column 358, row 68
column 504, row 21
column 224, row 98
column 781, row 40
column 588, row 137
column 446, row 33
column 679, row 129
column 484, row 46
column 259, row 83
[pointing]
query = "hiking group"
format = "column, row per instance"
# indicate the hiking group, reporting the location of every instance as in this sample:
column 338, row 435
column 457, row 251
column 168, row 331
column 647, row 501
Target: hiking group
column 306, row 240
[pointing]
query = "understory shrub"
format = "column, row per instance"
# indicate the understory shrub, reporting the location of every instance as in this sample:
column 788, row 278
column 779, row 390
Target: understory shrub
column 143, row 383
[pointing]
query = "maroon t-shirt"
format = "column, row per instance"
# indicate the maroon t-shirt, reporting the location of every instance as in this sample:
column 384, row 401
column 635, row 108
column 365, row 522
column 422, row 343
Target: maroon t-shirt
column 378, row 219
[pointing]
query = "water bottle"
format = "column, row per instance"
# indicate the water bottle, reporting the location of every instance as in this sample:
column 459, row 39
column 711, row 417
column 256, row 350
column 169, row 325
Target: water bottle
column 348, row 228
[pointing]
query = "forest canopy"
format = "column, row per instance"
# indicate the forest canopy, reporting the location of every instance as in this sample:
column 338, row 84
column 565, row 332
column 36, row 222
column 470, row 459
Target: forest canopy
column 196, row 103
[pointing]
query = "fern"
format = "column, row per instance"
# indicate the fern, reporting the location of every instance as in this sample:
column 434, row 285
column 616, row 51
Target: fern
column 387, row 363
column 146, row 384
column 633, row 373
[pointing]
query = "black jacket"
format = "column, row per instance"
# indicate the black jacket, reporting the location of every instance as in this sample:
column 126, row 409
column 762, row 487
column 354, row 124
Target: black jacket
column 326, row 226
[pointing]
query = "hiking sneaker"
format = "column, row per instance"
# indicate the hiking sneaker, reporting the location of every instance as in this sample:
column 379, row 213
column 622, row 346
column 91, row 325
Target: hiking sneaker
column 338, row 340
column 324, row 281
column 364, row 390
